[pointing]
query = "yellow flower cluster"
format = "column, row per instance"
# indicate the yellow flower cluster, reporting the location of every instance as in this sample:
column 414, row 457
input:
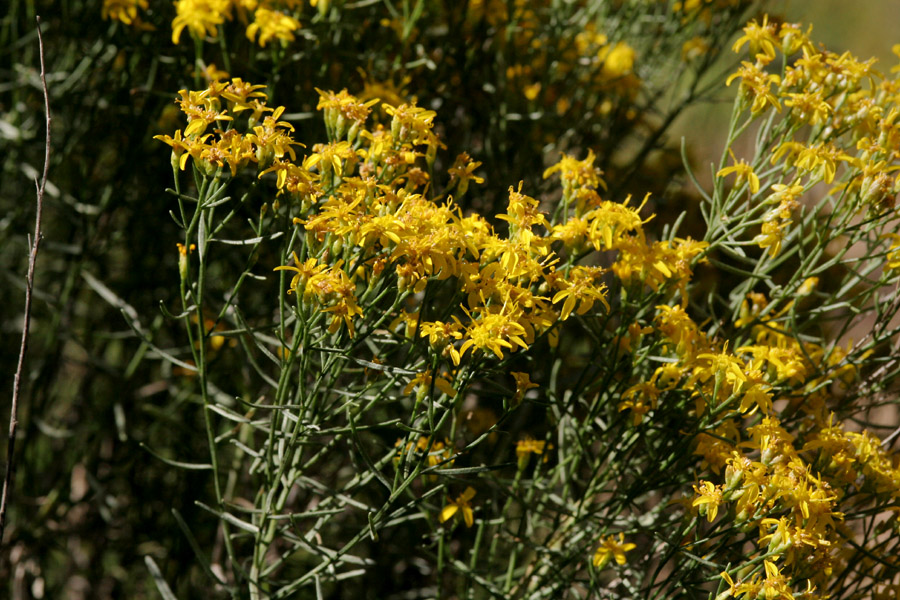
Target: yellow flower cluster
column 838, row 118
column 797, row 477
column 125, row 11
column 271, row 24
column 790, row 492
column 267, row 19
column 375, row 252
column 200, row 17
column 360, row 200
column 788, row 487
column 365, row 222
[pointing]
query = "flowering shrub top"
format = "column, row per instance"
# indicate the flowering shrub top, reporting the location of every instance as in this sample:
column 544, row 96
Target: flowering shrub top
column 388, row 272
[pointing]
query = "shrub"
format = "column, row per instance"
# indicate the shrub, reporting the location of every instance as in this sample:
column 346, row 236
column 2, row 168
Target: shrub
column 461, row 341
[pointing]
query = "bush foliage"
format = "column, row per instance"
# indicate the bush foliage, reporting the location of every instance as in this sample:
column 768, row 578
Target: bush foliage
column 419, row 299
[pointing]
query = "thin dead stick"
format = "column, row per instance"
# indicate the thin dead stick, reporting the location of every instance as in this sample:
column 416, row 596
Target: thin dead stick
column 29, row 286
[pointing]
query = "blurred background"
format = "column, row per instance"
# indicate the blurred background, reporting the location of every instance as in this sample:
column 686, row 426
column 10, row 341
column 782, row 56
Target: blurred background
column 866, row 28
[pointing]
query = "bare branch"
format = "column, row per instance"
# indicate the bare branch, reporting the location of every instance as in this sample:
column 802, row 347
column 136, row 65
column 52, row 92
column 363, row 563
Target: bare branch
column 29, row 287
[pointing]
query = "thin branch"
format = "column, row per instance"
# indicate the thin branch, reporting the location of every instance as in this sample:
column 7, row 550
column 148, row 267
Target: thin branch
column 29, row 287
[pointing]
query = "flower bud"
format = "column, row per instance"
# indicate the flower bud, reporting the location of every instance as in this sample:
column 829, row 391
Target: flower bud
column 340, row 126
column 183, row 260
column 353, row 132
column 337, row 245
column 395, row 128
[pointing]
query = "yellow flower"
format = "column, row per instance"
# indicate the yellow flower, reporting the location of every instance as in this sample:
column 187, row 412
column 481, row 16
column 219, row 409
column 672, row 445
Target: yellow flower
column 422, row 384
column 577, row 173
column 461, row 504
column 709, row 497
column 202, row 109
column 125, row 11
column 794, row 39
column 821, row 159
column 610, row 222
column 725, row 367
column 272, row 139
column 527, row 446
column 335, row 157
column 761, row 37
column 743, row 171
column 523, row 384
column 463, row 171
column 343, row 312
column 212, row 74
column 531, row 91
column 893, row 256
column 756, row 85
column 775, row 586
column 638, row 410
column 758, row 396
column 682, row 332
column 640, row 399
column 494, row 332
column 777, row 540
column 810, row 106
column 610, row 548
column 296, row 179
column 183, row 259
column 410, row 122
column 439, row 333
column 240, row 93
column 617, row 60
column 304, row 271
column 694, row 48
column 272, row 24
column 771, row 237
column 522, row 213
column 200, row 16
column 572, row 233
column 582, row 288
column 232, row 148
column 179, row 145
column 344, row 113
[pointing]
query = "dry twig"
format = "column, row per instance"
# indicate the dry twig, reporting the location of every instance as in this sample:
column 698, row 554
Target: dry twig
column 29, row 286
